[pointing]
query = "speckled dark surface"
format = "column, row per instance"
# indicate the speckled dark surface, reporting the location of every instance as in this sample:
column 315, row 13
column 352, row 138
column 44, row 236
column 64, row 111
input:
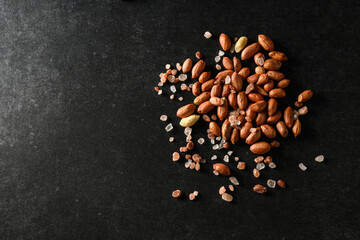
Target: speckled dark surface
column 83, row 154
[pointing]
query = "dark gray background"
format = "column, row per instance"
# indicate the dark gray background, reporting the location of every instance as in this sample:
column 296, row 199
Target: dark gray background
column 83, row 154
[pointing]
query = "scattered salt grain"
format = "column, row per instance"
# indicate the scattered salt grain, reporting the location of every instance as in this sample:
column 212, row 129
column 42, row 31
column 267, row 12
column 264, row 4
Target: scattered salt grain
column 191, row 85
column 214, row 157
column 182, row 77
column 236, row 159
column 207, row 34
column 178, row 66
column 302, row 166
column 173, row 88
column 260, row 166
column 217, row 59
column 218, row 138
column 253, row 130
column 226, row 158
column 171, row 78
column 171, row 139
column 215, row 173
column 218, row 67
column 167, row 66
column 160, row 92
column 188, row 138
column 272, row 165
column 163, row 118
column 222, row 190
column 187, row 131
column 169, row 127
column 271, row 183
column 216, row 147
column 180, row 99
column 221, row 53
column 196, row 193
column 187, row 164
column 296, row 114
column 233, row 180
column 227, row 79
column 160, row 84
column 320, row 158
column 212, row 141
column 231, row 187
column 201, row 141
column 172, row 96
column 230, row 153
column 191, row 196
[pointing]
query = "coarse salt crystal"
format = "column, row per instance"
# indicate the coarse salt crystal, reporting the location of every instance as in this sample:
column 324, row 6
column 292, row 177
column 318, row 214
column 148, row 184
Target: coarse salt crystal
column 223, row 141
column 226, row 158
column 160, row 92
column 163, row 118
column 169, row 127
column 230, row 153
column 167, row 66
column 188, row 138
column 212, row 141
column 201, row 141
column 187, row 131
column 218, row 67
column 232, row 91
column 227, row 79
column 216, row 147
column 272, row 165
column 182, row 77
column 302, row 166
column 214, row 157
column 320, row 158
column 260, row 166
column 207, row 34
column 183, row 86
column 171, row 78
column 187, row 164
column 238, row 122
column 178, row 66
column 253, row 130
column 217, row 59
column 233, row 180
column 221, row 53
column 191, row 85
column 173, row 88
column 172, row 96
column 196, row 193
column 271, row 183
column 180, row 99
column 160, row 84
column 215, row 173
column 232, row 119
column 171, row 139
column 236, row 159
column 218, row 138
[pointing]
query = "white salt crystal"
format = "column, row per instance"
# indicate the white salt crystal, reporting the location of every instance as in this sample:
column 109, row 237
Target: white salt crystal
column 169, row 127
column 171, row 78
column 196, row 193
column 172, row 96
column 191, row 85
column 187, row 131
column 217, row 59
column 215, row 173
column 320, row 158
column 253, row 130
column 187, row 164
column 271, row 183
column 221, row 53
column 171, row 139
column 163, row 118
column 218, row 67
column 233, row 180
column 180, row 99
column 201, row 141
column 188, row 138
column 230, row 153
column 178, row 66
column 207, row 34
column 227, row 79
column 216, row 147
column 183, row 86
column 167, row 66
column 212, row 141
column 260, row 166
column 223, row 141
column 173, row 88
column 272, row 165
column 218, row 138
column 296, row 114
column 302, row 166
column 226, row 158
column 160, row 84
column 260, row 61
column 160, row 92
column 214, row 157
column 182, row 77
